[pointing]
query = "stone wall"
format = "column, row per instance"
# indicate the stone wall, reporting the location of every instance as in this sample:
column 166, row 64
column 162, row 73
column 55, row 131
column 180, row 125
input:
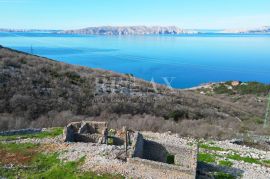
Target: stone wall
column 137, row 146
column 185, row 156
column 154, row 151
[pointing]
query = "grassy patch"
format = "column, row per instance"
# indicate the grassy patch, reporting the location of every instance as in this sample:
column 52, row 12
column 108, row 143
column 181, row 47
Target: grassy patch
column 45, row 166
column 13, row 147
column 221, row 175
column 207, row 158
column 19, row 154
column 267, row 163
column 46, row 134
column 208, row 147
column 225, row 163
column 245, row 159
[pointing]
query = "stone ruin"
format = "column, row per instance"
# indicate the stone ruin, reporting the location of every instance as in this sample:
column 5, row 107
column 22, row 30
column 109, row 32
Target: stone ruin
column 155, row 155
column 94, row 132
column 138, row 150
column 90, row 131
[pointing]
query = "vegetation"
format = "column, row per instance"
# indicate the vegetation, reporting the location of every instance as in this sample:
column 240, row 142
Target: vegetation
column 222, row 175
column 39, row 165
column 207, row 158
column 225, row 163
column 208, row 147
column 38, row 92
column 245, row 159
column 244, row 88
column 13, row 147
column 266, row 162
column 222, row 88
column 253, row 88
column 178, row 114
column 53, row 132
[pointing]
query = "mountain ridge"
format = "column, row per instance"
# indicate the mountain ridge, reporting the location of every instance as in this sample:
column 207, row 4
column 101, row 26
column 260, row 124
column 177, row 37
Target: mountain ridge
column 129, row 30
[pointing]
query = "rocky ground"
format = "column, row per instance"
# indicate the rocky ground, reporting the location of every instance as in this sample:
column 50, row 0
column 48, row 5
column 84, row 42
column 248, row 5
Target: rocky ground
column 240, row 161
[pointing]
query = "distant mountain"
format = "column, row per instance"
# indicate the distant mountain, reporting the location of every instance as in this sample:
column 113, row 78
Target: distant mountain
column 129, row 30
column 261, row 30
column 28, row 30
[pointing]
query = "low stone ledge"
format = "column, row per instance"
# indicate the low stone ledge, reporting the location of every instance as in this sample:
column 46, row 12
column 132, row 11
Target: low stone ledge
column 20, row 132
column 175, row 170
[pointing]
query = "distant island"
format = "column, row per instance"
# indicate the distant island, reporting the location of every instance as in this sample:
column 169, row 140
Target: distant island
column 139, row 30
column 28, row 30
column 129, row 30
column 260, row 30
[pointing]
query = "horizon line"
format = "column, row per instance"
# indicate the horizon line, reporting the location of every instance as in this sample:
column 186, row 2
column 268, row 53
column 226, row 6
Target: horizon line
column 7, row 28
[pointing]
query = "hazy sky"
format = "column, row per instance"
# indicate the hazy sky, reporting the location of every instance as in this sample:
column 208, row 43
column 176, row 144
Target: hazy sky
column 192, row 14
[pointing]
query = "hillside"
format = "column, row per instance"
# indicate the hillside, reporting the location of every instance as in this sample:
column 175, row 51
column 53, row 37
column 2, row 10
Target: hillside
column 39, row 92
column 128, row 30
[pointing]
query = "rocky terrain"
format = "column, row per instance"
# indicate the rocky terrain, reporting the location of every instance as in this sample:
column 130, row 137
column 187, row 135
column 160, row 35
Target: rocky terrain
column 217, row 159
column 129, row 30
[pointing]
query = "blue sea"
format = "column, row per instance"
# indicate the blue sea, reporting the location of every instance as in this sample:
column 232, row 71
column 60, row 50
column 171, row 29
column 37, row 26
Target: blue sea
column 185, row 60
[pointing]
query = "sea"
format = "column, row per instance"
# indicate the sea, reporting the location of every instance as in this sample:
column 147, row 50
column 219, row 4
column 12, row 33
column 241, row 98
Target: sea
column 183, row 61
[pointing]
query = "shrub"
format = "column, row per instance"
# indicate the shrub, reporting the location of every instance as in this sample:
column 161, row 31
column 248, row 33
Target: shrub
column 222, row 89
column 179, row 114
column 73, row 76
column 11, row 63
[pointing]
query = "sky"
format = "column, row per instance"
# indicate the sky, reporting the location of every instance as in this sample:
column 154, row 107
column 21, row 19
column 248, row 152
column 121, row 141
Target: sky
column 188, row 14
